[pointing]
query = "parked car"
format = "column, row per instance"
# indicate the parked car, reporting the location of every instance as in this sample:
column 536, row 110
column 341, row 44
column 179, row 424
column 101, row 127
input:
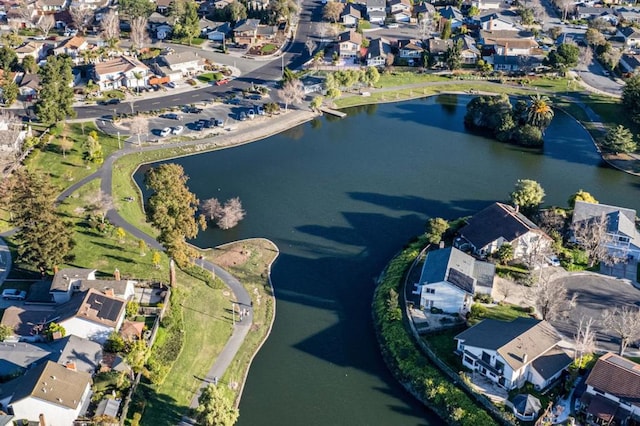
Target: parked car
column 208, row 123
column 113, row 101
column 218, row 123
column 177, row 130
column 193, row 110
column 259, row 110
column 251, row 114
column 242, row 116
column 171, row 85
column 198, row 126
column 553, row 260
column 171, row 116
column 165, row 132
column 14, row 294
column 222, row 81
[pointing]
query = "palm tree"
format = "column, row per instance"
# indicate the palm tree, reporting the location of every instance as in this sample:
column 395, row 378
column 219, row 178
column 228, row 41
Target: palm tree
column 138, row 76
column 539, row 113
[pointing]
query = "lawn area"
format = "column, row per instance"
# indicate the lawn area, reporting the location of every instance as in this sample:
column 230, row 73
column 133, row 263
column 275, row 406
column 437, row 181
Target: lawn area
column 268, row 48
column 444, row 345
column 65, row 169
column 506, row 312
column 210, row 77
column 393, row 79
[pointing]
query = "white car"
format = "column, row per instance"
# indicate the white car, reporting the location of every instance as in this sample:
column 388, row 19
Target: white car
column 177, row 130
column 165, row 132
column 14, row 294
column 259, row 110
column 553, row 260
column 251, row 114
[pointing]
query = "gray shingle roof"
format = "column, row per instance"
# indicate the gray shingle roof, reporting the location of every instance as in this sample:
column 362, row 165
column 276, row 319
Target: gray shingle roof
column 457, row 268
column 84, row 353
column 619, row 219
column 20, row 355
column 551, row 363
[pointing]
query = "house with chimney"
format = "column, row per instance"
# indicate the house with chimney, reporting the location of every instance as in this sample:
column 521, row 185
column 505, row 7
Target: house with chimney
column 68, row 281
column 513, row 353
column 378, row 52
column 49, row 394
column 245, row 32
column 122, row 71
column 612, row 396
column 450, row 279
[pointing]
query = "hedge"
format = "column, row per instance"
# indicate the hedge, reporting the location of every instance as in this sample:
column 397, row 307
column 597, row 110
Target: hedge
column 405, row 360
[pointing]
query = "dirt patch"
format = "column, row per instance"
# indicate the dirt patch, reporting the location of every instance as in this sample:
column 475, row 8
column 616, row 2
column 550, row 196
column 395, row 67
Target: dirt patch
column 231, row 257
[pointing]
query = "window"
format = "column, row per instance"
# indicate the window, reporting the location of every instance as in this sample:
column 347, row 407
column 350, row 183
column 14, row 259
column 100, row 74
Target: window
column 486, row 357
column 500, row 366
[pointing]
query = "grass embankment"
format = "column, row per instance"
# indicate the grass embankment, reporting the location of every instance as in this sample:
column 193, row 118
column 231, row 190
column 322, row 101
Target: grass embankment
column 407, row 362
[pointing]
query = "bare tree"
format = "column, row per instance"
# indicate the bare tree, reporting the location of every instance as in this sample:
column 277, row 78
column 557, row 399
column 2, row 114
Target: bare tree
column 585, row 339
column 110, row 27
column 592, row 236
column 586, row 55
column 139, row 35
column 538, row 250
column 45, row 24
column 82, row 17
column 66, row 145
column 99, row 202
column 332, row 10
column 389, row 60
column 552, row 221
column 311, row 46
column 211, row 208
column 625, row 323
column 232, row 213
column 291, row 93
column 551, row 299
column 139, row 127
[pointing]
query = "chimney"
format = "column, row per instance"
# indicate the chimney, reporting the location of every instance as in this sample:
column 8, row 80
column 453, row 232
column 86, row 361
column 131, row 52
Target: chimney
column 41, row 420
column 116, row 274
column 109, row 292
column 55, row 271
column 71, row 366
column 441, row 245
column 524, row 358
column 517, row 208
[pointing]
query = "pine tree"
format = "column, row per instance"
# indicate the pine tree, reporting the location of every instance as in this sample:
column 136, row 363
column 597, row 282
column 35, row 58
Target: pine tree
column 55, row 102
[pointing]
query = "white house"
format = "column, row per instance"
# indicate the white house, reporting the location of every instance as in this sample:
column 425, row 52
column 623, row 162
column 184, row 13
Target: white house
column 49, row 391
column 72, row 47
column 495, row 22
column 450, row 278
column 488, row 4
column 67, row 281
column 513, row 353
column 377, row 53
column 182, row 64
column 121, row 72
column 97, row 316
column 376, row 11
column 410, row 50
column 29, row 48
column 622, row 238
column 631, row 36
column 349, row 46
column 613, row 391
column 350, row 15
column 490, row 228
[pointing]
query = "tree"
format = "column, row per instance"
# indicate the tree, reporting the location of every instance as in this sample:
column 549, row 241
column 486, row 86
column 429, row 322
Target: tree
column 551, row 300
column 436, row 227
column 99, row 202
column 214, row 409
column 527, row 195
column 332, row 11
column 5, row 332
column 231, row 214
column 620, row 139
column 595, row 37
column 137, row 355
column 310, row 45
column 45, row 24
column 446, row 30
column 282, row 9
column 132, row 308
column 110, row 27
column 121, row 234
column 235, row 11
column 584, row 340
column 66, row 145
column 453, row 55
column 505, row 253
column 54, row 328
column 138, row 35
column 474, row 11
column 55, row 102
column 156, row 257
column 630, row 96
column 139, row 126
column 591, row 235
column 135, row 8
column 581, row 195
column 564, row 57
column 291, row 93
column 539, row 112
column 373, row 75
column 172, row 209
column 29, row 64
column 316, row 102
column 625, row 322
column 211, row 208
column 526, row 15
column 142, row 247
column 8, row 58
column 11, row 39
column 10, row 92
column 43, row 239
column 82, row 17
column 187, row 20
column 92, row 150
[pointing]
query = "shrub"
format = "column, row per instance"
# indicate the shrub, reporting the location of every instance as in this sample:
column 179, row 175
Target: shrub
column 483, row 298
column 115, row 343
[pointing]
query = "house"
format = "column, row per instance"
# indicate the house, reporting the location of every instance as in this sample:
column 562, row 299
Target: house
column 590, row 13
column 76, row 353
column 179, row 65
column 162, row 6
column 312, row 84
column 350, row 15
column 108, row 407
column 509, row 42
column 68, row 281
column 488, row 4
column 400, row 10
column 376, row 11
column 498, row 224
column 410, row 50
column 219, row 32
column 377, row 53
column 160, row 25
column 514, row 63
column 450, row 278
column 494, row 22
column 11, row 136
column 29, row 48
column 613, row 391
column 266, row 32
column 52, row 5
column 17, row 357
column 423, row 10
column 51, row 391
column 453, row 15
column 437, row 48
column 630, row 35
column 18, row 17
column 401, row 16
column 72, row 47
column 98, row 5
column 121, row 71
column 349, row 44
column 245, row 32
column 512, row 353
column 622, row 238
column 629, row 64
column 97, row 316
column 628, row 15
column 468, row 51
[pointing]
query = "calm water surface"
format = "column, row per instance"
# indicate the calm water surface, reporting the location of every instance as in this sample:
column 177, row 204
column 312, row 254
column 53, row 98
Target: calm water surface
column 340, row 197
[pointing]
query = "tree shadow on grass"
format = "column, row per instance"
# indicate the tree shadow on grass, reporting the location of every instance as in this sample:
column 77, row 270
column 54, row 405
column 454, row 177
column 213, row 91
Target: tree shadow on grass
column 159, row 409
column 106, row 245
column 120, row 258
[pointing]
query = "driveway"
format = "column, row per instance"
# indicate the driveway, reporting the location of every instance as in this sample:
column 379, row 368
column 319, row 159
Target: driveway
column 595, row 294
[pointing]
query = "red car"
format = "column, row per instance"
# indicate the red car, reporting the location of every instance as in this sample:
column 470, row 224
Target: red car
column 221, row 82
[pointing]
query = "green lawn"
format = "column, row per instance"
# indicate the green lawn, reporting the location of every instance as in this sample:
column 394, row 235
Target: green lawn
column 444, row 345
column 210, row 77
column 506, row 312
column 393, row 79
column 268, row 48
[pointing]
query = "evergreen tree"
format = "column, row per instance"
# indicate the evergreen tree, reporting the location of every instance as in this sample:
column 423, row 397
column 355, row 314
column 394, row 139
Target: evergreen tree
column 55, row 102
column 620, row 139
column 631, row 97
column 9, row 92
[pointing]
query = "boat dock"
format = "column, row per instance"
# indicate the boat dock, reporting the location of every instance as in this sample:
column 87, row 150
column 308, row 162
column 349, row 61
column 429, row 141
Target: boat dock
column 333, row 112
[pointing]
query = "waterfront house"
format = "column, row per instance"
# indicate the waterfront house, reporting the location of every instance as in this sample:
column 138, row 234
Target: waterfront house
column 468, row 50
column 68, row 281
column 410, row 50
column 450, row 278
column 613, row 391
column 48, row 394
column 378, row 52
column 509, row 42
column 349, row 44
column 498, row 224
column 513, row 353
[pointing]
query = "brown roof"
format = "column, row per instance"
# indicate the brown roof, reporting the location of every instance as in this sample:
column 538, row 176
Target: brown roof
column 351, row 36
column 132, row 329
column 617, row 376
column 100, row 308
column 73, row 43
column 29, row 47
column 117, row 65
column 49, row 382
